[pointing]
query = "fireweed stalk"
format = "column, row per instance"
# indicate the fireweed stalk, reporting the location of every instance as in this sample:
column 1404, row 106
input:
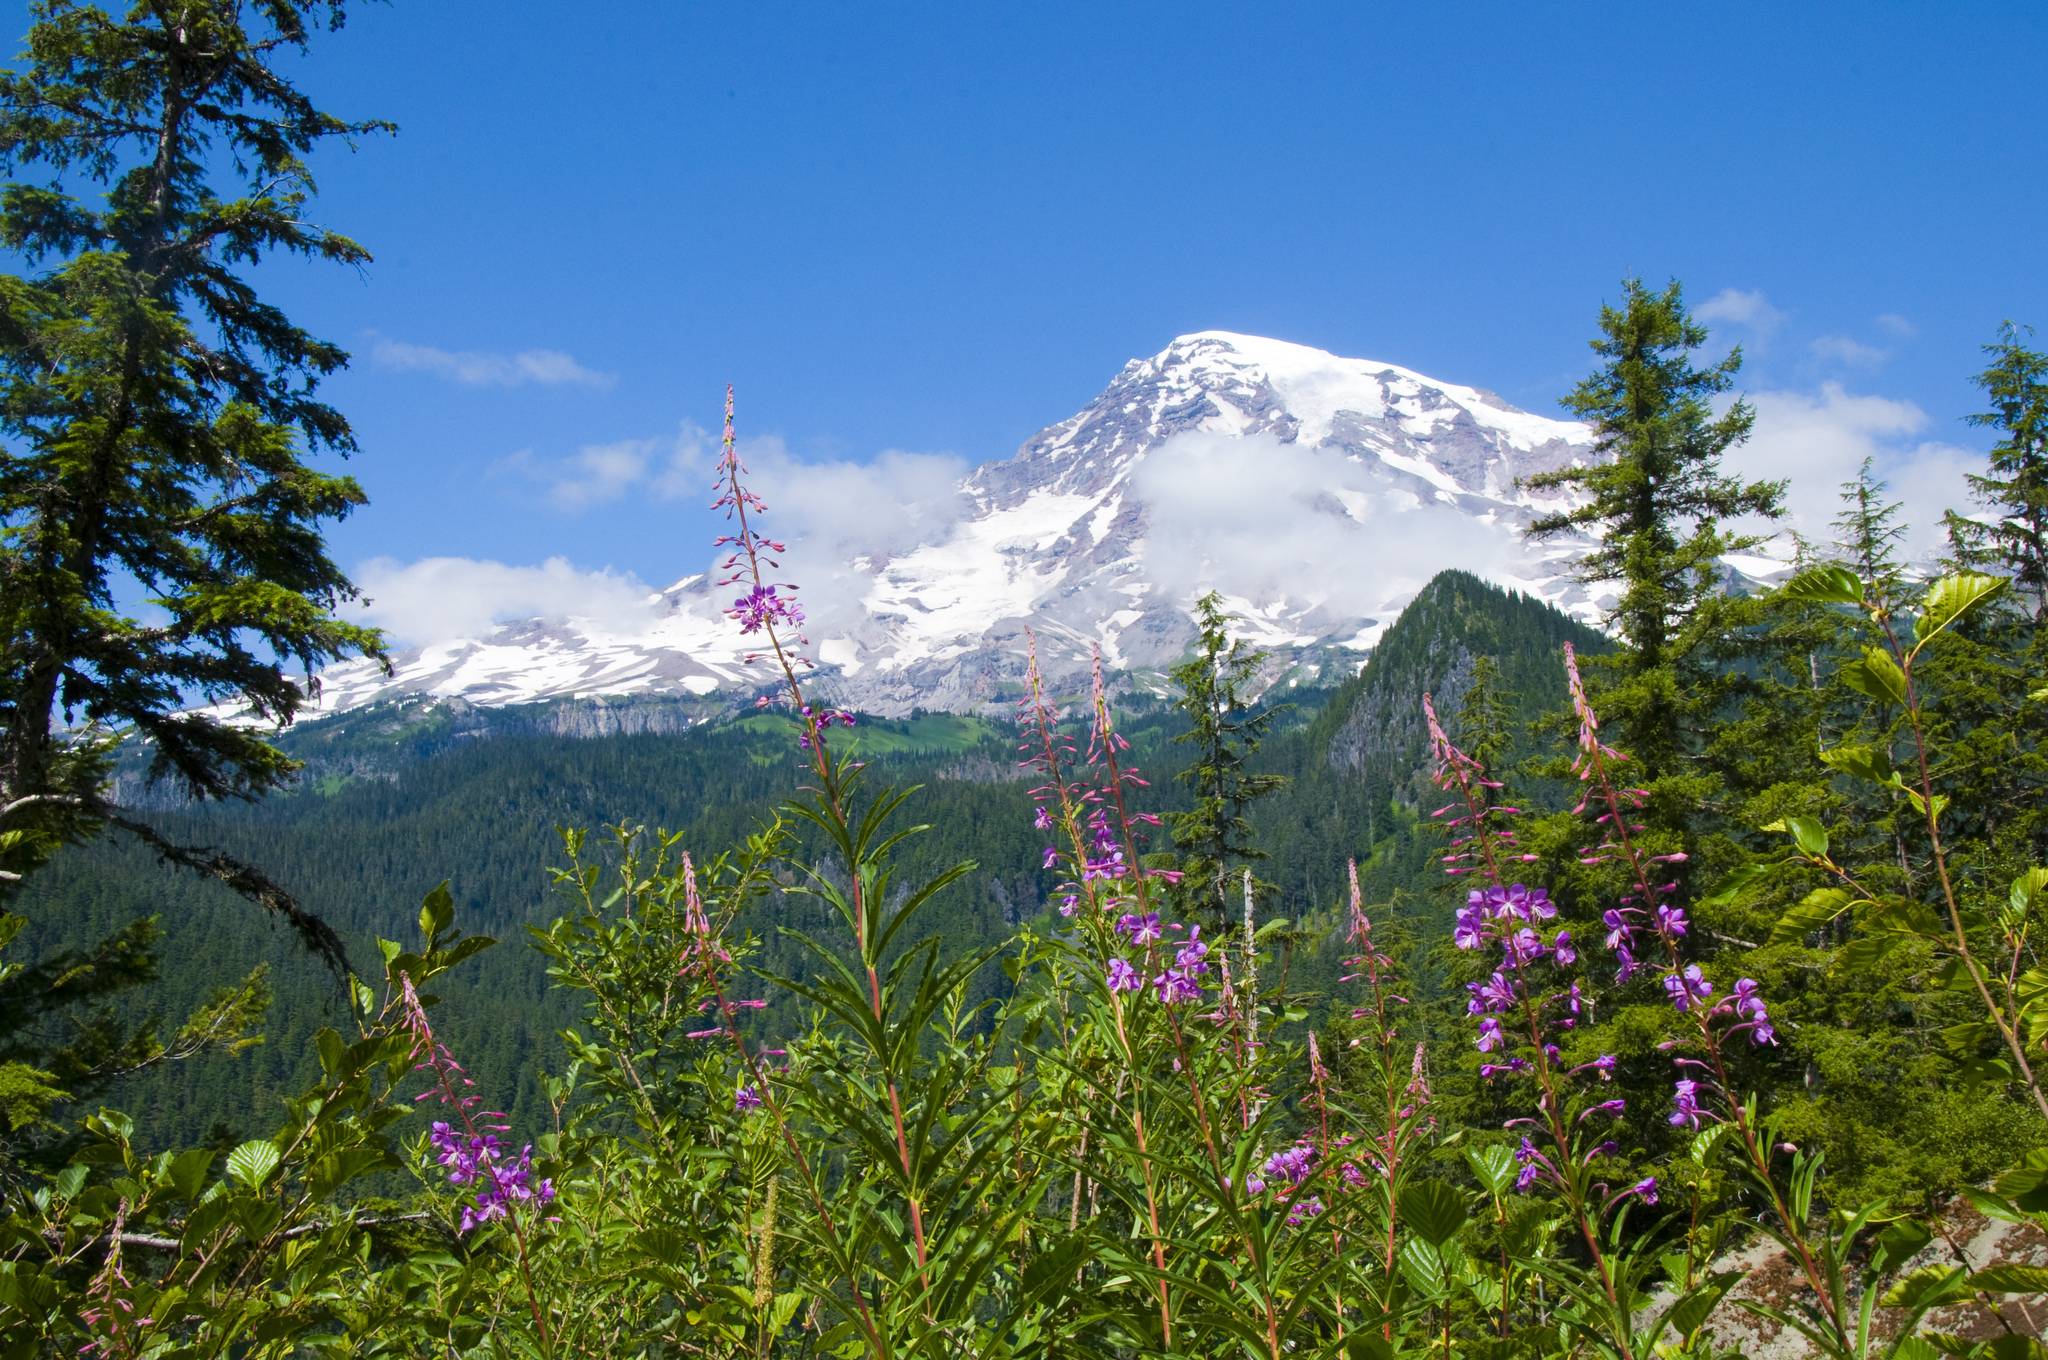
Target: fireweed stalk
column 1531, row 989
column 472, row 1154
column 1645, row 909
column 766, row 609
column 1104, row 875
column 1404, row 1114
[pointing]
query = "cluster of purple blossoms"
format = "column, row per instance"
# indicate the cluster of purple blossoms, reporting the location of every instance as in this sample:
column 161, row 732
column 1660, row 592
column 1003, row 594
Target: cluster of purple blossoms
column 761, row 606
column 1175, row 984
column 745, row 1100
column 478, row 1159
column 1090, row 809
column 815, row 721
column 1292, row 1165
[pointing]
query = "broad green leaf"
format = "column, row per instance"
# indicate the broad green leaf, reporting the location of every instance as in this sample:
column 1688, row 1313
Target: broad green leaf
column 2012, row 1279
column 1865, row 762
column 1815, row 911
column 1877, row 676
column 1825, row 585
column 1433, row 1209
column 1949, row 598
column 1693, row 1308
column 1809, row 835
column 2027, row 889
column 1494, row 1165
column 437, row 912
column 1732, row 886
column 253, row 1161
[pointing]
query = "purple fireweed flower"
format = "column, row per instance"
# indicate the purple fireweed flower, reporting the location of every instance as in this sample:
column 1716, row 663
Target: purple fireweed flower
column 1303, row 1210
column 1626, row 965
column 1254, row 1186
column 1141, row 929
column 760, row 607
column 1193, row 952
column 1689, row 988
column 1493, row 995
column 1043, row 820
column 1644, row 1189
column 1291, row 1164
column 1619, row 931
column 1523, row 946
column 1685, row 1106
column 1052, row 856
column 1490, row 1036
column 1563, row 952
column 1471, row 928
column 745, row 1099
column 1670, row 920
column 1755, row 1018
column 1173, row 986
column 1526, row 1177
column 1123, row 977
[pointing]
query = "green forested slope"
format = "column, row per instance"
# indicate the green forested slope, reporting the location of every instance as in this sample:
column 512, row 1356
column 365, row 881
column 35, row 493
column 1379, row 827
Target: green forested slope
column 393, row 802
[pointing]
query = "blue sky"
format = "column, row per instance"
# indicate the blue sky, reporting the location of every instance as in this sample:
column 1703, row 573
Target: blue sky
column 937, row 228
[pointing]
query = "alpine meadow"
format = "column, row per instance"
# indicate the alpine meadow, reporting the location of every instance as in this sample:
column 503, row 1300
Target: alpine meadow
column 1302, row 859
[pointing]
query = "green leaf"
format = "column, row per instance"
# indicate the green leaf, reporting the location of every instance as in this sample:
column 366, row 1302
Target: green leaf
column 2012, row 1279
column 1494, row 1166
column 1732, row 886
column 1825, row 585
column 1693, row 1308
column 1433, row 1209
column 1817, row 910
column 1877, row 676
column 253, row 1161
column 2027, row 889
column 1949, row 598
column 1809, row 835
column 1864, row 762
column 437, row 912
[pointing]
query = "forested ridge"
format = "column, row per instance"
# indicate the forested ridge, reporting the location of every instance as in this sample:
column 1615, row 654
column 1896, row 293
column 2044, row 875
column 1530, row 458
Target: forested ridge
column 392, row 805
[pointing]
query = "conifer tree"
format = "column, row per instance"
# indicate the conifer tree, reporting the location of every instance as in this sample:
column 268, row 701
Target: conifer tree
column 1659, row 504
column 1485, row 726
column 1868, row 533
column 2015, row 487
column 1215, row 836
column 156, row 413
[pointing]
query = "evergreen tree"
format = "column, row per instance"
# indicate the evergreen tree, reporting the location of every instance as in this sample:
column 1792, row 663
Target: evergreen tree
column 1215, row 835
column 1485, row 724
column 1868, row 533
column 157, row 413
column 1658, row 502
column 2015, row 487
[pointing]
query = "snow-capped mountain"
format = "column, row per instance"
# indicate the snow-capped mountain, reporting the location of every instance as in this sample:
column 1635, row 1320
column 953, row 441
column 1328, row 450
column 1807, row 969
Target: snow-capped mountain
column 1317, row 493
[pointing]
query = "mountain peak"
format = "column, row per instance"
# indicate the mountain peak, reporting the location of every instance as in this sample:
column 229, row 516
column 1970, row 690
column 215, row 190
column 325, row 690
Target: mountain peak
column 1224, row 460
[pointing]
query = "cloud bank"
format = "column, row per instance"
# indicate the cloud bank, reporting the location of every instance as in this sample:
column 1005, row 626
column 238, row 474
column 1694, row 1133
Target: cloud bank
column 1817, row 440
column 437, row 599
column 475, row 368
column 1256, row 517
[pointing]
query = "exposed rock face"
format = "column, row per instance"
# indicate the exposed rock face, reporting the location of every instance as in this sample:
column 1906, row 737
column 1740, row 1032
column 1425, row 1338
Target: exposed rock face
column 1317, row 493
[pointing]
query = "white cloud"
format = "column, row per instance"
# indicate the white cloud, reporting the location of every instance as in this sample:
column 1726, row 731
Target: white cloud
column 436, row 599
column 1840, row 349
column 1259, row 517
column 1817, row 440
column 1892, row 324
column 475, row 368
column 1741, row 307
